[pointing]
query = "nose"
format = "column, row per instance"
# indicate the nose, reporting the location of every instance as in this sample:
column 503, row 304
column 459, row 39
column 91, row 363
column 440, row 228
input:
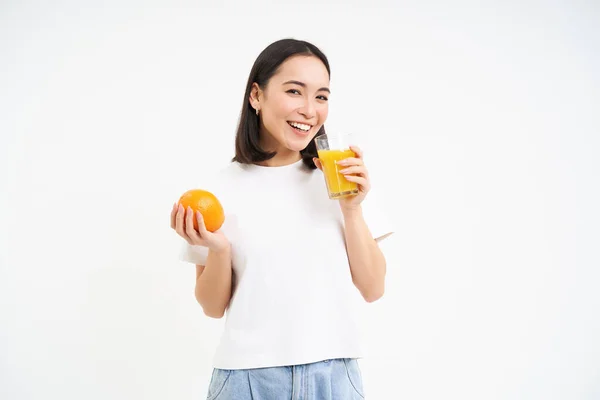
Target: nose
column 308, row 110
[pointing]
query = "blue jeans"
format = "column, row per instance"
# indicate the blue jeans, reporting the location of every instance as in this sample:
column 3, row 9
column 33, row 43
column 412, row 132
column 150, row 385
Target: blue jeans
column 338, row 379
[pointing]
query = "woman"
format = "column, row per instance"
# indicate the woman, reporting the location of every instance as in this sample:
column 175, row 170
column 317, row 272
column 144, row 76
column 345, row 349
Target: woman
column 288, row 261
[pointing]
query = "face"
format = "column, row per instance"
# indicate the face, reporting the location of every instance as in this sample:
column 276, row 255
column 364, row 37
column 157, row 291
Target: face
column 294, row 105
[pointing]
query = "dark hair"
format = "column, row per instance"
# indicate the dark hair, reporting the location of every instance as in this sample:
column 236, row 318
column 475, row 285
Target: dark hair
column 247, row 139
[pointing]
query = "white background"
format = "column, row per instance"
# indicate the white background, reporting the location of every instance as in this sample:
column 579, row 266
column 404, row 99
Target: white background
column 480, row 120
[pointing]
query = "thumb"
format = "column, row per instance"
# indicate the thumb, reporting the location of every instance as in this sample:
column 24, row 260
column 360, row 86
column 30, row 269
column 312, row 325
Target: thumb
column 318, row 163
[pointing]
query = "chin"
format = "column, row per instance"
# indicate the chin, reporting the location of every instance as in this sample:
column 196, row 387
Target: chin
column 297, row 145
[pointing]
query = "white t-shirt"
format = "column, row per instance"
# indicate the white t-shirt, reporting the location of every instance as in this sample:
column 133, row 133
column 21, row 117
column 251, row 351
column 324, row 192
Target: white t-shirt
column 293, row 301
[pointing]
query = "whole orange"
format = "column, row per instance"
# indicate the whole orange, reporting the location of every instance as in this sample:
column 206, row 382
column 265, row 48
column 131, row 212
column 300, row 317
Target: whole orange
column 209, row 206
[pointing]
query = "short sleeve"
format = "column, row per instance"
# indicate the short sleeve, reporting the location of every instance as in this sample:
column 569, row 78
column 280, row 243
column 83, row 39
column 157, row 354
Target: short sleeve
column 377, row 215
column 193, row 254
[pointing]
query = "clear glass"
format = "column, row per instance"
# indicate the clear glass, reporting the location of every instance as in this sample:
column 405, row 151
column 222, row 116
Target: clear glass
column 332, row 148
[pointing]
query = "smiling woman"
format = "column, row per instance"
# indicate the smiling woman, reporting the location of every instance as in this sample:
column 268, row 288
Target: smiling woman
column 285, row 104
column 289, row 264
column 292, row 109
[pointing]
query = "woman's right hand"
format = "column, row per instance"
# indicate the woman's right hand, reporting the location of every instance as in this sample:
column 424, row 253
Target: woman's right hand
column 182, row 221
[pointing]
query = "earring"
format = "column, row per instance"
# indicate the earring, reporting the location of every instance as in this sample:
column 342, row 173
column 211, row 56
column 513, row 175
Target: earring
column 257, row 111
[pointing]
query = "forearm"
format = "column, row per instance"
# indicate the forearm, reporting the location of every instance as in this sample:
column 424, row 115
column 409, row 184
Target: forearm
column 367, row 262
column 213, row 286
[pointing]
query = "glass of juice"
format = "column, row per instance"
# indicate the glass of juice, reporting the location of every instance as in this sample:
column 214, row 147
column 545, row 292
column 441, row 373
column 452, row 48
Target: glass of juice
column 331, row 149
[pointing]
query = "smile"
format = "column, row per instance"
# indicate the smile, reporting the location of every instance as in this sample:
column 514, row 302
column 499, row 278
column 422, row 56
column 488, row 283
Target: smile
column 299, row 126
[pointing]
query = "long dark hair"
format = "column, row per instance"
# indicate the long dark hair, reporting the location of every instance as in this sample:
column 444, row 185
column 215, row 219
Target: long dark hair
column 247, row 139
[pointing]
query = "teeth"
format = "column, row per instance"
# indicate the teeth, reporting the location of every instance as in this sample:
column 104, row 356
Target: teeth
column 302, row 127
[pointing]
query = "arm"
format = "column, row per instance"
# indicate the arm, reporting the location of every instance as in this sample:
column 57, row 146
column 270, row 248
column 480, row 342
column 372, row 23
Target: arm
column 213, row 280
column 213, row 283
column 367, row 262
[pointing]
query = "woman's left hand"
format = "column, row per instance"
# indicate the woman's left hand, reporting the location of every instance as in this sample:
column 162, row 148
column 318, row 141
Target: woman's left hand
column 354, row 170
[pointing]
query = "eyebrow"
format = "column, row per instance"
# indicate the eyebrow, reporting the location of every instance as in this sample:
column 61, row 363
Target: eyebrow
column 304, row 85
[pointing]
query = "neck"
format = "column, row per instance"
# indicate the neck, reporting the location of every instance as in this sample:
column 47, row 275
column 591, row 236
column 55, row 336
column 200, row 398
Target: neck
column 282, row 158
column 284, row 155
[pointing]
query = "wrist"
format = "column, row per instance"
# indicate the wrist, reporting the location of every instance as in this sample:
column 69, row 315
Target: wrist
column 352, row 212
column 221, row 249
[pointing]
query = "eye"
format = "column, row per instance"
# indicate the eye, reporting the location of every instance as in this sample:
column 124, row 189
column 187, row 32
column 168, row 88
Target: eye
column 321, row 97
column 293, row 91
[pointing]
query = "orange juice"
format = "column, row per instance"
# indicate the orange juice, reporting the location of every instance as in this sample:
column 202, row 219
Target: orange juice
column 337, row 185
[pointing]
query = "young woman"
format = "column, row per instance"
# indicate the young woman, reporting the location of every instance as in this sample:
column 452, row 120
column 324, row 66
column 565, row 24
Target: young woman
column 288, row 265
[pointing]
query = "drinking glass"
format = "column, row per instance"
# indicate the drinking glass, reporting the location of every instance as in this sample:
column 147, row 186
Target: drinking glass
column 332, row 148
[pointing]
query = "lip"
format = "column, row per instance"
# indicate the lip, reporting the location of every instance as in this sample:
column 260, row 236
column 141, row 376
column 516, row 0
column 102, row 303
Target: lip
column 301, row 133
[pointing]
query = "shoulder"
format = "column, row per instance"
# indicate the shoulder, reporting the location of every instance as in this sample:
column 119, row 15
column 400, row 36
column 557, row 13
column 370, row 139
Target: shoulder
column 220, row 173
column 226, row 182
column 216, row 179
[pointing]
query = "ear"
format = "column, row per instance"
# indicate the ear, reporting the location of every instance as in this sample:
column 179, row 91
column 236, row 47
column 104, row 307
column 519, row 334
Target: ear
column 318, row 163
column 256, row 96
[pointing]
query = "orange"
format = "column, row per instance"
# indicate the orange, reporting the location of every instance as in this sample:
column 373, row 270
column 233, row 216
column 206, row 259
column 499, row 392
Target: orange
column 209, row 206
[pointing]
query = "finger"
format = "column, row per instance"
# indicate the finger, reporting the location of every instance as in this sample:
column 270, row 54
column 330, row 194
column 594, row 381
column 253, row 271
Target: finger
column 318, row 163
column 358, row 169
column 201, row 226
column 189, row 225
column 173, row 216
column 180, row 223
column 363, row 182
column 350, row 161
column 357, row 150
